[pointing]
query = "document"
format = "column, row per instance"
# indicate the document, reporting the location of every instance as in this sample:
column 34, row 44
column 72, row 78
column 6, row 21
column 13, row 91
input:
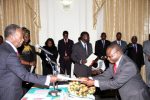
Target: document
column 90, row 59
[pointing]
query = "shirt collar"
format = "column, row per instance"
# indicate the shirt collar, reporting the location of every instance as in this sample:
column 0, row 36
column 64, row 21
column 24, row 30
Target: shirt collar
column 117, row 63
column 66, row 40
column 83, row 43
column 15, row 49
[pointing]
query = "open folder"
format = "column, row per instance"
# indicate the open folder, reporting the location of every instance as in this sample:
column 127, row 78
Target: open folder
column 90, row 59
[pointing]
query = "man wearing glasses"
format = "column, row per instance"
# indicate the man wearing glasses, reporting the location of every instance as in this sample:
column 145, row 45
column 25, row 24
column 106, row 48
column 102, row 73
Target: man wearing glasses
column 122, row 75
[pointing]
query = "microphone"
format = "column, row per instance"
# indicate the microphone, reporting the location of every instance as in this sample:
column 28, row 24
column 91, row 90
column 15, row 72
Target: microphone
column 47, row 52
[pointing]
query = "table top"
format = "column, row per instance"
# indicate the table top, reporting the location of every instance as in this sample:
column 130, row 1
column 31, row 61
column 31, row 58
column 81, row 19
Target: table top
column 38, row 93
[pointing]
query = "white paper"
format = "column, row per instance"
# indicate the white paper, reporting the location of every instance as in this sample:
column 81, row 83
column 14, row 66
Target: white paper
column 66, row 78
column 90, row 59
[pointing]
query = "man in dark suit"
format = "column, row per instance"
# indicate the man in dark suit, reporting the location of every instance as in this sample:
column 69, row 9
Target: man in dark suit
column 12, row 72
column 80, row 52
column 122, row 75
column 135, row 52
column 100, row 48
column 121, row 43
column 65, row 50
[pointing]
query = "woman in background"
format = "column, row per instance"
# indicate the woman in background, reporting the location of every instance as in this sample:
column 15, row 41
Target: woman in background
column 49, row 46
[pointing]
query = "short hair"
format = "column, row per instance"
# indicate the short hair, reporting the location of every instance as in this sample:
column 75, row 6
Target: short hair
column 65, row 32
column 103, row 33
column 27, row 31
column 10, row 29
column 83, row 33
column 118, row 33
column 115, row 46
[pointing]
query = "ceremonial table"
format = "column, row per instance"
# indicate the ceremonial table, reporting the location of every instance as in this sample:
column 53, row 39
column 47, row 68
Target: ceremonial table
column 38, row 93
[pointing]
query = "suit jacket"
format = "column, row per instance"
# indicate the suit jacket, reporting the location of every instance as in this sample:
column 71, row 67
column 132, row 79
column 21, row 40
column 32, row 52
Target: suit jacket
column 78, row 54
column 12, row 72
column 123, row 45
column 136, row 54
column 146, row 50
column 127, row 80
column 62, row 48
column 100, row 50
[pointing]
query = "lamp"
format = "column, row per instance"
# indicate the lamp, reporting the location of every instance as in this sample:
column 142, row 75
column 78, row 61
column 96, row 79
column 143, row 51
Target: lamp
column 66, row 3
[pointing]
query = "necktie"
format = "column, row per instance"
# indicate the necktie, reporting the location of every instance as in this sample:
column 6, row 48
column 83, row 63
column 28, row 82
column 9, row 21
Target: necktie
column 85, row 47
column 134, row 45
column 103, row 42
column 115, row 68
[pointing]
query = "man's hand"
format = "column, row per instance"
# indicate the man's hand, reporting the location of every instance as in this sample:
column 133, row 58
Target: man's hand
column 90, row 82
column 53, row 78
column 83, row 61
column 83, row 79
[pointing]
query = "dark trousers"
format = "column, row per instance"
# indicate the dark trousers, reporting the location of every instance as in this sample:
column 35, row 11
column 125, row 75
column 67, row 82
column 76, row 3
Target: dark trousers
column 65, row 65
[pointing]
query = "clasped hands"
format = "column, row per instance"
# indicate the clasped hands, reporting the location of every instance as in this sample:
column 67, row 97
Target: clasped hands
column 87, row 81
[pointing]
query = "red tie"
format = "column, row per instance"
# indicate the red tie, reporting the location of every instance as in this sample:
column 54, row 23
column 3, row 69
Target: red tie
column 115, row 68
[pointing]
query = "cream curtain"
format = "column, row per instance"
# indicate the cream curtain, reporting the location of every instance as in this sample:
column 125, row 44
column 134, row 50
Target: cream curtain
column 21, row 12
column 131, row 17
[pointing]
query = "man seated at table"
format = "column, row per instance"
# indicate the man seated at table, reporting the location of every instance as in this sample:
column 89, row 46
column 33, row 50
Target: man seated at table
column 12, row 72
column 122, row 75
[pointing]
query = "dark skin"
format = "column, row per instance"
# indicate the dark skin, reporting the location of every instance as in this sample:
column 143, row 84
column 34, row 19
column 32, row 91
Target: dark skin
column 113, row 55
column 134, row 39
column 118, row 36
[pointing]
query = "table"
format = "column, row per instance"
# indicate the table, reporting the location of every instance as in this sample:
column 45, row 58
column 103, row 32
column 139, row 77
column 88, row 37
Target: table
column 36, row 93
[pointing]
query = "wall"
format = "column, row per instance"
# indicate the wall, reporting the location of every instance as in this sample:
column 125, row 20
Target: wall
column 55, row 19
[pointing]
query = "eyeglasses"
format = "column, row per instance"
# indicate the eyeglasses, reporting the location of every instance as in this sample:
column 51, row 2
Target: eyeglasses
column 112, row 54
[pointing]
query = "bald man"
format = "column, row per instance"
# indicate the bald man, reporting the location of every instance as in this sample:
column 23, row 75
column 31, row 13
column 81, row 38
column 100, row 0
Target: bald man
column 122, row 75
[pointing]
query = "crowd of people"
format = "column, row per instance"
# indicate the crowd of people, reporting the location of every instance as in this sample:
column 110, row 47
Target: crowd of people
column 123, row 63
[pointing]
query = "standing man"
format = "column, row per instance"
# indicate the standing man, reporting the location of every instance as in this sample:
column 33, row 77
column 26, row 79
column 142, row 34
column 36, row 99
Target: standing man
column 12, row 72
column 121, row 43
column 122, row 75
column 65, row 50
column 146, row 50
column 100, row 48
column 80, row 52
column 135, row 52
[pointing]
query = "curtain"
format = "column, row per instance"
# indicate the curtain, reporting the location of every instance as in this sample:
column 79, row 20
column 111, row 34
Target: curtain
column 130, row 17
column 21, row 12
